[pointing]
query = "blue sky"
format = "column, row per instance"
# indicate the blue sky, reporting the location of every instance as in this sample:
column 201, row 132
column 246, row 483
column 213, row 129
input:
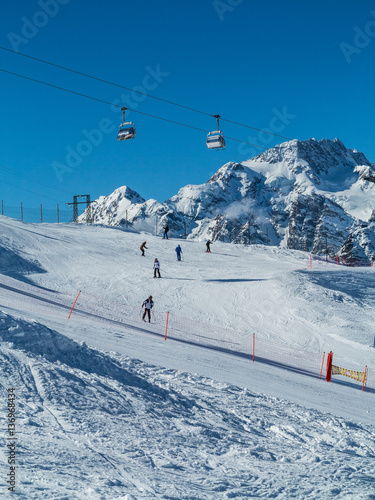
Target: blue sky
column 299, row 69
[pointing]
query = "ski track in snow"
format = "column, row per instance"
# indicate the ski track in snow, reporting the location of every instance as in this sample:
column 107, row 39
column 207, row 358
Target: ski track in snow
column 96, row 421
column 158, row 433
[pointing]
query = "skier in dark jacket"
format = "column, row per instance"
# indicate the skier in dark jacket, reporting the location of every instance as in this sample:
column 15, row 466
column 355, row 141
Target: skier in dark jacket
column 178, row 250
column 143, row 247
column 208, row 246
column 148, row 304
column 166, row 229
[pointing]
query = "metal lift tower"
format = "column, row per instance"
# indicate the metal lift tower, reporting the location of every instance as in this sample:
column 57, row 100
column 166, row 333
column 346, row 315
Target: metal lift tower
column 76, row 203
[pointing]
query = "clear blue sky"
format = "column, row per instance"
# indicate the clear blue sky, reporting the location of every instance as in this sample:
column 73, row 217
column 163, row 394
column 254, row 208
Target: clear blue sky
column 249, row 61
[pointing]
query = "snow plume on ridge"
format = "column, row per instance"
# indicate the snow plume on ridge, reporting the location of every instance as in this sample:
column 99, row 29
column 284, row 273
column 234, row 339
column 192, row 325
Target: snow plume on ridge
column 239, row 209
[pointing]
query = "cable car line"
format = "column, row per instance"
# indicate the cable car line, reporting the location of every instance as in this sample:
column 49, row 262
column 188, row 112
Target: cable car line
column 143, row 113
column 27, row 190
column 34, row 179
column 258, row 129
column 119, row 106
column 140, row 92
column 56, row 87
column 98, row 100
column 103, row 81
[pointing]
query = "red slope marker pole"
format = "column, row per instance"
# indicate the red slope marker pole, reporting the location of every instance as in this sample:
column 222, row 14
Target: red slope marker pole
column 74, row 305
column 166, row 327
column 329, row 366
column 253, row 346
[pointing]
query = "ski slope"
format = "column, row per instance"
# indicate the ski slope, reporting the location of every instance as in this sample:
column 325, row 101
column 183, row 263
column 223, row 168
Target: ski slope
column 110, row 411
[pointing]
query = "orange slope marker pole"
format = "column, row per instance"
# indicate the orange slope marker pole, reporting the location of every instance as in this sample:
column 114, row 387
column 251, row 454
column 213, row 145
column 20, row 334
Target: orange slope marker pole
column 166, row 327
column 364, row 378
column 74, row 305
column 320, row 376
column 253, row 347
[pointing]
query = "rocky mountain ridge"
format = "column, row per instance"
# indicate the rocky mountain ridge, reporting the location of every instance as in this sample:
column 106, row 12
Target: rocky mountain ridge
column 307, row 195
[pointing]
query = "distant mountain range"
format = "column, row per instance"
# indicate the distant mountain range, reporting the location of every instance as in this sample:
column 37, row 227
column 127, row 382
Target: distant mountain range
column 305, row 195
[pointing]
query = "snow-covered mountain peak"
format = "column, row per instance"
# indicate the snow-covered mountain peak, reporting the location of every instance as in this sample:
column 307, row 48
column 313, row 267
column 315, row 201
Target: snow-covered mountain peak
column 307, row 195
column 124, row 192
column 116, row 207
column 227, row 171
column 316, row 156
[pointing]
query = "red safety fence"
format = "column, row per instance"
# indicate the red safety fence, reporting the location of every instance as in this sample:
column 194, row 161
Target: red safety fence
column 341, row 261
column 166, row 325
column 247, row 345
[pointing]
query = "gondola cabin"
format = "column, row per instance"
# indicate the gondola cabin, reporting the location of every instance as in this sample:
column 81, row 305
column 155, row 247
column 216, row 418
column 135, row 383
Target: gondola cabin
column 126, row 131
column 215, row 140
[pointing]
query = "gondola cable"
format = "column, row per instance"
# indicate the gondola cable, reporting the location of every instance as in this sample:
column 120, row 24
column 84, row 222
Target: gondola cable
column 119, row 106
column 140, row 92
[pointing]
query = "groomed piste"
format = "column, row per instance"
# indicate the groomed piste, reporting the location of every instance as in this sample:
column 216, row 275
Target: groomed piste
column 107, row 408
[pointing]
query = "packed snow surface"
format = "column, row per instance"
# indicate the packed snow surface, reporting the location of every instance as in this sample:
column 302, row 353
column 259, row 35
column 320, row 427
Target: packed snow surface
column 107, row 408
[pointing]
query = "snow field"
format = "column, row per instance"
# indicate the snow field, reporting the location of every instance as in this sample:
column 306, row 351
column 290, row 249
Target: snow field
column 159, row 433
column 105, row 412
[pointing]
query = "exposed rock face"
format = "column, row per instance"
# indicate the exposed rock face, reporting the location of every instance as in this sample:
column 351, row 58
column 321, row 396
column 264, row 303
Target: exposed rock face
column 306, row 195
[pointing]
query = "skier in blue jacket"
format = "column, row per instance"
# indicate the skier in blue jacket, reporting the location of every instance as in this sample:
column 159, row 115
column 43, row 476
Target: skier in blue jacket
column 178, row 252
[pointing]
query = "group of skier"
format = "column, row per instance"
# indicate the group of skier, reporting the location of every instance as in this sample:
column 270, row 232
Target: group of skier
column 178, row 251
column 148, row 304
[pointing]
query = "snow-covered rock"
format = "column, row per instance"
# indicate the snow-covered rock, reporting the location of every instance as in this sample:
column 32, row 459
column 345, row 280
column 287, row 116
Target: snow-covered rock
column 307, row 195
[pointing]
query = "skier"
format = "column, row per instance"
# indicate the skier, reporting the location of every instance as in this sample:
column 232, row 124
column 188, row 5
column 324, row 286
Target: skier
column 143, row 247
column 178, row 250
column 166, row 229
column 208, row 246
column 157, row 268
column 147, row 305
